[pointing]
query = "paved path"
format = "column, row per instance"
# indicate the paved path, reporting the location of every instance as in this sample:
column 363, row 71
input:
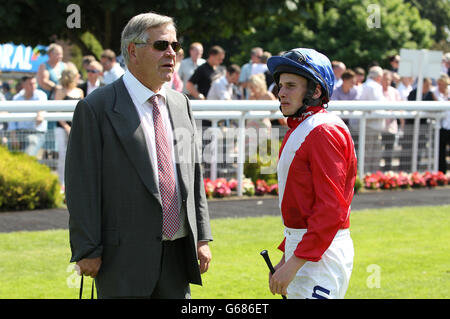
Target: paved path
column 247, row 207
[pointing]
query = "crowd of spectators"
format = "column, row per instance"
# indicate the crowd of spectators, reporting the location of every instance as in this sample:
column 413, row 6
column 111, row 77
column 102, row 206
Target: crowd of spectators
column 207, row 78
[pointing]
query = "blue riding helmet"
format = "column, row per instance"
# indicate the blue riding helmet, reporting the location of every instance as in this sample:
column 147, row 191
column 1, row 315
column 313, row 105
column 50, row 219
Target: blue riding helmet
column 307, row 63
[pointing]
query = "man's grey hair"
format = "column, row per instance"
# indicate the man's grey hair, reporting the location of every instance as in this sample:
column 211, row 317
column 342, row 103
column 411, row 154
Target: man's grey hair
column 136, row 30
column 375, row 72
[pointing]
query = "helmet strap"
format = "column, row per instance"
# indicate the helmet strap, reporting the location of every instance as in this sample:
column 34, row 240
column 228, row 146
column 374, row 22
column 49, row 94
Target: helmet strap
column 308, row 100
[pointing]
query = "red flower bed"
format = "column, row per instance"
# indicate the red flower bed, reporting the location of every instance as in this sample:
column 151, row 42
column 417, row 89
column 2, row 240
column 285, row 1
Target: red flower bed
column 391, row 180
column 222, row 188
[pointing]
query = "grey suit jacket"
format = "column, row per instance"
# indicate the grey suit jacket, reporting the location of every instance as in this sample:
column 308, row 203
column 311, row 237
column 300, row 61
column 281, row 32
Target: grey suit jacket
column 113, row 200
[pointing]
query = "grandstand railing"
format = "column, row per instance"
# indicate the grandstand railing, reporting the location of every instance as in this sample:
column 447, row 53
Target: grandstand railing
column 241, row 111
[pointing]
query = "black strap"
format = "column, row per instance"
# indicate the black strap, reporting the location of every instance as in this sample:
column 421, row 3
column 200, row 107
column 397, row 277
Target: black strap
column 81, row 288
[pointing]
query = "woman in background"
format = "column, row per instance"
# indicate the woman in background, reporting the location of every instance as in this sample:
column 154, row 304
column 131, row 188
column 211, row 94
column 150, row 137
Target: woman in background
column 68, row 91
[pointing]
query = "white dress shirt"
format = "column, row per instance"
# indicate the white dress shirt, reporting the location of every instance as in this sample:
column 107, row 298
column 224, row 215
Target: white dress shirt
column 91, row 88
column 113, row 74
column 140, row 96
column 220, row 89
column 373, row 91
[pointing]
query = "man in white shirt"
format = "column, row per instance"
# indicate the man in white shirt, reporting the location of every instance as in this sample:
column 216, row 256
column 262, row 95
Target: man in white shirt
column 373, row 91
column 338, row 69
column 222, row 88
column 30, row 135
column 246, row 70
column 112, row 69
column 139, row 221
column 190, row 64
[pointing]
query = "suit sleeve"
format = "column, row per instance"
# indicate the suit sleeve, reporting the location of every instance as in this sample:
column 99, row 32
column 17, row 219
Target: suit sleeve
column 83, row 184
column 201, row 204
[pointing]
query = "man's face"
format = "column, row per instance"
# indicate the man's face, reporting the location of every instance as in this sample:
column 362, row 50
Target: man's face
column 386, row 80
column 442, row 85
column 217, row 59
column 349, row 83
column 56, row 55
column 339, row 70
column 29, row 86
column 154, row 67
column 106, row 63
column 196, row 53
column 292, row 90
column 234, row 77
column 92, row 73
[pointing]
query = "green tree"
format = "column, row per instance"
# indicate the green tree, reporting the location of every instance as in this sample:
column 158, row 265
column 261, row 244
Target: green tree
column 343, row 30
column 35, row 21
column 337, row 28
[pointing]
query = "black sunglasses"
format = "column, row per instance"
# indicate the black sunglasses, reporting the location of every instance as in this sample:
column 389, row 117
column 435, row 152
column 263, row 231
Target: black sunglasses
column 92, row 71
column 162, row 45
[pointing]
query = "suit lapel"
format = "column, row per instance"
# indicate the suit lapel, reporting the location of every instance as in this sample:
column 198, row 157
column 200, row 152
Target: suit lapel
column 127, row 124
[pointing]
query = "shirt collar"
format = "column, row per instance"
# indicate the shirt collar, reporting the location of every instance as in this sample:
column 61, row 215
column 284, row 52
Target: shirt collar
column 293, row 122
column 140, row 91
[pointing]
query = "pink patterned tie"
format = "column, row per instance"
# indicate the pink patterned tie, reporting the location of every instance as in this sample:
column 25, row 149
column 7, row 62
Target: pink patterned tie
column 167, row 185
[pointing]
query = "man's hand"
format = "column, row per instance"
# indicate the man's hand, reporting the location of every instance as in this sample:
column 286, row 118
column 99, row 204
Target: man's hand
column 89, row 266
column 204, row 256
column 284, row 273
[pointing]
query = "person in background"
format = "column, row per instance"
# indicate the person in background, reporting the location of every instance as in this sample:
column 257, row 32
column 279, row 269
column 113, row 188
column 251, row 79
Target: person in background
column 94, row 72
column 86, row 60
column 391, row 126
column 6, row 89
column 338, row 69
column 346, row 91
column 406, row 140
column 49, row 72
column 360, row 76
column 3, row 125
column 222, row 88
column 442, row 94
column 111, row 69
column 394, row 62
column 200, row 82
column 29, row 136
column 246, row 70
column 405, row 87
column 191, row 63
column 441, row 91
column 258, row 91
column 373, row 91
column 176, row 83
column 67, row 91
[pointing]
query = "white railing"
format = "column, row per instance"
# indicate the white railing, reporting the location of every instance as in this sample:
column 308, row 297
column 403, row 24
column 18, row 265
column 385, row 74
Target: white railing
column 243, row 110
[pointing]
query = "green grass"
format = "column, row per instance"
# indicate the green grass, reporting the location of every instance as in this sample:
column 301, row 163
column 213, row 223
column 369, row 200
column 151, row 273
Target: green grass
column 409, row 247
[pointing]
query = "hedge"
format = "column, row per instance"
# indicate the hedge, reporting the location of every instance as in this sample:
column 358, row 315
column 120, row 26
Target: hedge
column 25, row 184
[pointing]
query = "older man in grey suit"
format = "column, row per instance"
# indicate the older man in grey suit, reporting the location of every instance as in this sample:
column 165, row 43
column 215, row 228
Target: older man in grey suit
column 139, row 220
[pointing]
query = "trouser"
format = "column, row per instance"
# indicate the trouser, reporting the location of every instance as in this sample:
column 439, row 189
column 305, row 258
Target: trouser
column 373, row 150
column 388, row 140
column 444, row 142
column 173, row 282
column 33, row 142
column 327, row 278
column 61, row 139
